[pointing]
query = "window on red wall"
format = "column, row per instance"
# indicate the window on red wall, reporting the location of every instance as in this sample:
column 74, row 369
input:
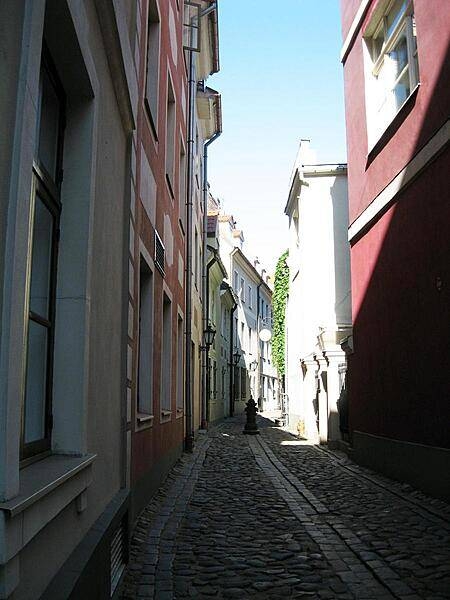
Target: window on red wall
column 170, row 135
column 152, row 70
column 391, row 64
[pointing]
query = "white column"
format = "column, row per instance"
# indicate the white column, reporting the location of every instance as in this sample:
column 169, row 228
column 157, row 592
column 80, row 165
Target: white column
column 309, row 388
column 334, row 358
column 323, row 400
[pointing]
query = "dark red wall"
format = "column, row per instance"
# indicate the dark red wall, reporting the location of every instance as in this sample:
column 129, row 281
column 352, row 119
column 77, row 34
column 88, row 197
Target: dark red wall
column 399, row 374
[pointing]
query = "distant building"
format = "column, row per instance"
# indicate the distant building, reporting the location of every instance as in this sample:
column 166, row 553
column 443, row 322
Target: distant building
column 222, row 306
column 397, row 95
column 318, row 313
column 254, row 373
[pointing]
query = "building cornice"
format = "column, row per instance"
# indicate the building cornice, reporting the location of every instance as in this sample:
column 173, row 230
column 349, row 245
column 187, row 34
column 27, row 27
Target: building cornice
column 300, row 179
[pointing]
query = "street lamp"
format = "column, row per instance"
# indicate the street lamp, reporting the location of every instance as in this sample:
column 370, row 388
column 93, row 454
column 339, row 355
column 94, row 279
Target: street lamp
column 208, row 336
column 236, row 357
column 253, row 365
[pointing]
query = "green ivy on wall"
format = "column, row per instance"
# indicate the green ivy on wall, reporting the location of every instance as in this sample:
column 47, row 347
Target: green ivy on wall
column 279, row 297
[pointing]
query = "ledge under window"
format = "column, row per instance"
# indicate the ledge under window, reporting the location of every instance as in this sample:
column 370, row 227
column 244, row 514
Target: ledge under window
column 42, row 477
column 166, row 415
column 46, row 488
column 144, row 421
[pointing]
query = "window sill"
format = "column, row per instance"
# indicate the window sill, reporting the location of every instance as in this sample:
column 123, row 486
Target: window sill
column 46, row 488
column 390, row 129
column 144, row 420
column 166, row 416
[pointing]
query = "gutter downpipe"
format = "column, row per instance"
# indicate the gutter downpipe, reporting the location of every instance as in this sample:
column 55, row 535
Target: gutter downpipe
column 189, row 434
column 205, row 348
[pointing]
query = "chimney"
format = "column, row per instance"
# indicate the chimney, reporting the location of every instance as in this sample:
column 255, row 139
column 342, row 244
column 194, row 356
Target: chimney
column 306, row 156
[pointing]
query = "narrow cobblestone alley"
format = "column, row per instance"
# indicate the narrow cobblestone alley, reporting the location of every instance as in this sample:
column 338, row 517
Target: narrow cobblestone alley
column 270, row 516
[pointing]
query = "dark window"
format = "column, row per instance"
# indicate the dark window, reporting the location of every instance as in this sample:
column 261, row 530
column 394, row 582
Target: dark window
column 152, row 72
column 170, row 136
column 166, row 355
column 145, row 357
column 180, row 364
column 46, row 208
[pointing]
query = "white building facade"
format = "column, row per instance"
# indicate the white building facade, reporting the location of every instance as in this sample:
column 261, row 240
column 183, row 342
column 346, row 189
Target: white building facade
column 254, row 373
column 318, row 312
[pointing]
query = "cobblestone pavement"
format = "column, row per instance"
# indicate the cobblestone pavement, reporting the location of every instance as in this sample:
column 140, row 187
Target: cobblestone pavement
column 272, row 517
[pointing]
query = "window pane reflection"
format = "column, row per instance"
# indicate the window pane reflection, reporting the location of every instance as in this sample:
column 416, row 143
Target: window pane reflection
column 399, row 55
column 48, row 124
column 402, row 90
column 35, row 394
column 41, row 259
column 395, row 14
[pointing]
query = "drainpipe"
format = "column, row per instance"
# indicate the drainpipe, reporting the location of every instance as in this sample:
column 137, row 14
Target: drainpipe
column 205, row 348
column 189, row 434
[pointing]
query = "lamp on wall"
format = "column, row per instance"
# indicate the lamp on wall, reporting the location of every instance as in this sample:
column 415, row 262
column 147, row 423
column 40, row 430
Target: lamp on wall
column 208, row 336
column 253, row 365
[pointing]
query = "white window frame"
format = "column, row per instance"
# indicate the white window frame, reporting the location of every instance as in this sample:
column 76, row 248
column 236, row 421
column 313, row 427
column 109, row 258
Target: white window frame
column 381, row 79
column 242, row 289
column 236, row 282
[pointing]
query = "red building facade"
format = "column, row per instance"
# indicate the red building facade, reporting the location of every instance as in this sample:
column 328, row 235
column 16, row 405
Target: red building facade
column 157, row 251
column 396, row 57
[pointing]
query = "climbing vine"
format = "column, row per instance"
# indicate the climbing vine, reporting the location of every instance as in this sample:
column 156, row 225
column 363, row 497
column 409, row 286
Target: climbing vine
column 279, row 297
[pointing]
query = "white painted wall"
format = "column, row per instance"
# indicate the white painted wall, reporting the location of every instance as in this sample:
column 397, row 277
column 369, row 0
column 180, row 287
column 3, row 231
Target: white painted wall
column 319, row 294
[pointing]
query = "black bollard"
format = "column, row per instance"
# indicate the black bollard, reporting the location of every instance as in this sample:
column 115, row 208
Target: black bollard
column 251, row 427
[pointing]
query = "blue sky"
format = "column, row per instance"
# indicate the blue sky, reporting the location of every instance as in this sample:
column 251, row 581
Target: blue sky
column 280, row 80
